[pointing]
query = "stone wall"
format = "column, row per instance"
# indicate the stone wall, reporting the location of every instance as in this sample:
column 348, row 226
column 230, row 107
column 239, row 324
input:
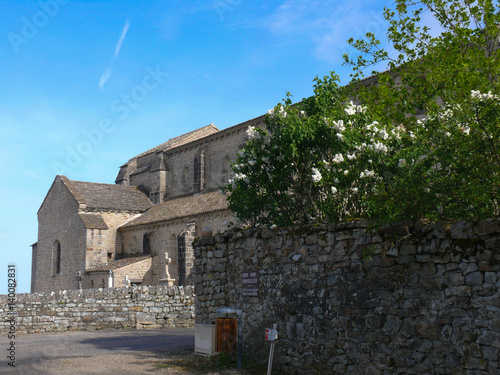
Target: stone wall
column 202, row 164
column 412, row 300
column 89, row 309
column 101, row 243
column 58, row 221
column 165, row 241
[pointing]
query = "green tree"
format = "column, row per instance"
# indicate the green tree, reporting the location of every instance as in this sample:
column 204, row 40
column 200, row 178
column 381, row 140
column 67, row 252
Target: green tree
column 453, row 170
column 422, row 142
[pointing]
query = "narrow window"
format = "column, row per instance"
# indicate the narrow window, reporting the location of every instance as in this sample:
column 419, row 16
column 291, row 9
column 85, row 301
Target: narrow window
column 110, row 257
column 91, row 284
column 199, row 172
column 56, row 258
column 146, row 243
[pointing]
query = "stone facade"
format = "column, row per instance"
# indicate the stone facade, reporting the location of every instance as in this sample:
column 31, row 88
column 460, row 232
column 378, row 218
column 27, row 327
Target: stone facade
column 62, row 227
column 116, row 308
column 404, row 299
column 87, row 229
column 77, row 232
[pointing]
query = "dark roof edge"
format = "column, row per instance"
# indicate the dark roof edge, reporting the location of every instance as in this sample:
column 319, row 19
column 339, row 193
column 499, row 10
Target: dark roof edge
column 63, row 179
column 125, row 226
column 221, row 133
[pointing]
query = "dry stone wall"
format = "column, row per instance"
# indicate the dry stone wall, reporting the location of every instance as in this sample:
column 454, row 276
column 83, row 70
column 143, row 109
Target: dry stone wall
column 89, row 309
column 402, row 300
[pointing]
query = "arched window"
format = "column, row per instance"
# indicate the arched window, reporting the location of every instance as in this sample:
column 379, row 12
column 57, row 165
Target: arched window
column 56, row 258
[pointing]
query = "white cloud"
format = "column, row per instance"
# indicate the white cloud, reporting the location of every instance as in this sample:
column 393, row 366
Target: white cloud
column 329, row 24
column 104, row 77
column 107, row 73
column 122, row 38
column 326, row 24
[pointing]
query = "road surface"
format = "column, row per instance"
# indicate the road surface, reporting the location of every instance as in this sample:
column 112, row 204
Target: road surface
column 94, row 352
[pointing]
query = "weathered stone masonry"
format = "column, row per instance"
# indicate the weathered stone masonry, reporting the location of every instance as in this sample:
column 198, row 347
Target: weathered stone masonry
column 427, row 302
column 89, row 309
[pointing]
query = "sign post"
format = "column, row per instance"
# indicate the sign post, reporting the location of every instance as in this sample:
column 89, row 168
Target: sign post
column 271, row 335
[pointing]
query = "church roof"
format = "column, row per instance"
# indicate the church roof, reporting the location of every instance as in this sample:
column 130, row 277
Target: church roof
column 107, row 196
column 183, row 139
column 114, row 265
column 93, row 221
column 181, row 207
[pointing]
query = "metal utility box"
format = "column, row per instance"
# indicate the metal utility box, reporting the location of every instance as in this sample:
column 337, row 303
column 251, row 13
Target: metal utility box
column 204, row 339
column 226, row 335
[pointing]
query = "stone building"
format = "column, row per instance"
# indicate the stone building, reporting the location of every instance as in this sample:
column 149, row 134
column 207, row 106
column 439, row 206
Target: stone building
column 140, row 230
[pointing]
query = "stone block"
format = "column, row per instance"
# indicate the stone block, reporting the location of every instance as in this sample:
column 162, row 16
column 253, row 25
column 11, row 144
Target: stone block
column 143, row 318
column 474, row 278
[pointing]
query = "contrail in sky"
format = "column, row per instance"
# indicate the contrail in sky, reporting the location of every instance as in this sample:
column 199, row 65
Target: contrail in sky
column 107, row 73
column 122, row 37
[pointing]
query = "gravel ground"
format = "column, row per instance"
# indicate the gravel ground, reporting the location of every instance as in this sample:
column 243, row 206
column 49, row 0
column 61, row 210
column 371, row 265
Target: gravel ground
column 124, row 352
column 177, row 362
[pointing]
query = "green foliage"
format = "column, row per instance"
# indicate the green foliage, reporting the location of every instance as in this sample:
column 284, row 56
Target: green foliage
column 423, row 143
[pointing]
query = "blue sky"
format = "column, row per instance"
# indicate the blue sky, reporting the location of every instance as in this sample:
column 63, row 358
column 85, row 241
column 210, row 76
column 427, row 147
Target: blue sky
column 86, row 85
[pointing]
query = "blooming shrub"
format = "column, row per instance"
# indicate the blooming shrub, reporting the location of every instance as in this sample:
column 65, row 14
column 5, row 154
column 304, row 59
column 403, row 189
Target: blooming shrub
column 422, row 142
column 328, row 159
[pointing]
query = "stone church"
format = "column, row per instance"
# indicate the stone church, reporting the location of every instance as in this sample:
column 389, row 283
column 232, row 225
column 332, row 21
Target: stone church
column 140, row 230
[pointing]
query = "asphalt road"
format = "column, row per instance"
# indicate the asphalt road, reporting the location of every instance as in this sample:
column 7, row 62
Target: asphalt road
column 93, row 352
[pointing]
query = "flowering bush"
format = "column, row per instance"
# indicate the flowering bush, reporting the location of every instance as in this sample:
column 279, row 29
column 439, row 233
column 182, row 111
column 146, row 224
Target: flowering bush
column 320, row 160
column 316, row 162
column 423, row 142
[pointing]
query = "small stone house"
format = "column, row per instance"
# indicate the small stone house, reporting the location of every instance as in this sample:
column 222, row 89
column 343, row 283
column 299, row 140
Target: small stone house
column 139, row 230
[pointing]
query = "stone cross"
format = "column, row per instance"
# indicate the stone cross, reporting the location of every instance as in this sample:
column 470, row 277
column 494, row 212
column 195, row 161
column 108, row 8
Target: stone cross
column 126, row 281
column 167, row 262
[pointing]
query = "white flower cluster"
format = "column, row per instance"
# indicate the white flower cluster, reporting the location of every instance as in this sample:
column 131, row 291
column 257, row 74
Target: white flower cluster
column 446, row 115
column 378, row 147
column 465, row 129
column 240, row 176
column 367, row 173
column 252, row 133
column 338, row 158
column 476, row 94
column 338, row 125
column 271, row 112
column 316, row 176
column 383, row 134
column 352, row 109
